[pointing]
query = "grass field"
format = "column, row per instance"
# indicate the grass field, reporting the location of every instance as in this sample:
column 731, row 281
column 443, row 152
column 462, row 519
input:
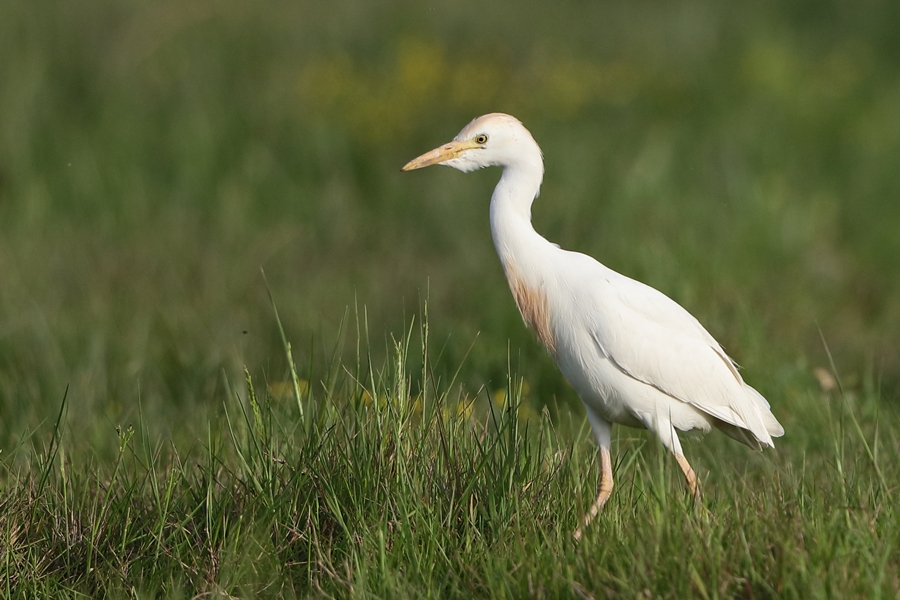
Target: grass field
column 156, row 158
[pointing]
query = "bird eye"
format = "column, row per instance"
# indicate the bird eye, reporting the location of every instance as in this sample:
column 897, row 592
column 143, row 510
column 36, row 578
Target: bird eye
column 481, row 138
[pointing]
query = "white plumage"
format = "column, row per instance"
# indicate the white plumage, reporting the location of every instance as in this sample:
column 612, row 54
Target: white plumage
column 634, row 356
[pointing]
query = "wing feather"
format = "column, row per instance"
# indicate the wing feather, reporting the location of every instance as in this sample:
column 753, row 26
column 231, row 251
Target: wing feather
column 667, row 348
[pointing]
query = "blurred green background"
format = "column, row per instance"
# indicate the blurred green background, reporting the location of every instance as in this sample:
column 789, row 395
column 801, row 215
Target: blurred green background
column 743, row 158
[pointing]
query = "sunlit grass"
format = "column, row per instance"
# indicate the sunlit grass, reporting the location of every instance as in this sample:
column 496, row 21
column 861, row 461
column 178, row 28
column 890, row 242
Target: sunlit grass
column 379, row 489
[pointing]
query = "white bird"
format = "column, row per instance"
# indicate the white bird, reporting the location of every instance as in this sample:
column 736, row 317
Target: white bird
column 634, row 356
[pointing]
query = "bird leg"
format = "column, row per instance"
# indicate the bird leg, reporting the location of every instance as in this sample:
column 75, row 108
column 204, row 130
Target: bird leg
column 689, row 475
column 604, row 491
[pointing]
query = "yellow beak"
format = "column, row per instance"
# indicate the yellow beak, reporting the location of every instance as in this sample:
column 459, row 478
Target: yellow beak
column 438, row 155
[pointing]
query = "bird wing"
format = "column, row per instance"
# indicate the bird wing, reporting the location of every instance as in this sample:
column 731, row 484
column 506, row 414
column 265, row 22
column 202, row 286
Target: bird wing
column 651, row 338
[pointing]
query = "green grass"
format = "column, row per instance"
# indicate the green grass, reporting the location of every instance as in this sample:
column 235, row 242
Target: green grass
column 155, row 156
column 382, row 491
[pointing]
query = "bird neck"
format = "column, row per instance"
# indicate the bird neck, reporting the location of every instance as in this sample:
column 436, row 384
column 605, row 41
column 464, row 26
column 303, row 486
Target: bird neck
column 519, row 246
column 526, row 256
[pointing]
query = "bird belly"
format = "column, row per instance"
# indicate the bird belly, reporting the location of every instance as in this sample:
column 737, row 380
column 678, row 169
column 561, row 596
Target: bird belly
column 596, row 386
column 619, row 398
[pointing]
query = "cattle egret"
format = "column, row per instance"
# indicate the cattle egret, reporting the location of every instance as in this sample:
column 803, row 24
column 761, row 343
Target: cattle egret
column 634, row 356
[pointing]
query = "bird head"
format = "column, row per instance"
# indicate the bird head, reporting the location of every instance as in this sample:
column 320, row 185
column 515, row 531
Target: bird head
column 494, row 140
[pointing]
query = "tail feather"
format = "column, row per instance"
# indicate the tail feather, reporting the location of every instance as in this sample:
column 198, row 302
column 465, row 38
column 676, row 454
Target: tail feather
column 772, row 425
column 744, row 436
column 760, row 414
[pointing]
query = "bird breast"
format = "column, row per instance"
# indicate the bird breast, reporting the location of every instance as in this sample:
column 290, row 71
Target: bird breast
column 533, row 305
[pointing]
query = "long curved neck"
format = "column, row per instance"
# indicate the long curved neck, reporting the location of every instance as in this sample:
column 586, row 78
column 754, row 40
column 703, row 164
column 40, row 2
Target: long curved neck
column 516, row 241
column 523, row 252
